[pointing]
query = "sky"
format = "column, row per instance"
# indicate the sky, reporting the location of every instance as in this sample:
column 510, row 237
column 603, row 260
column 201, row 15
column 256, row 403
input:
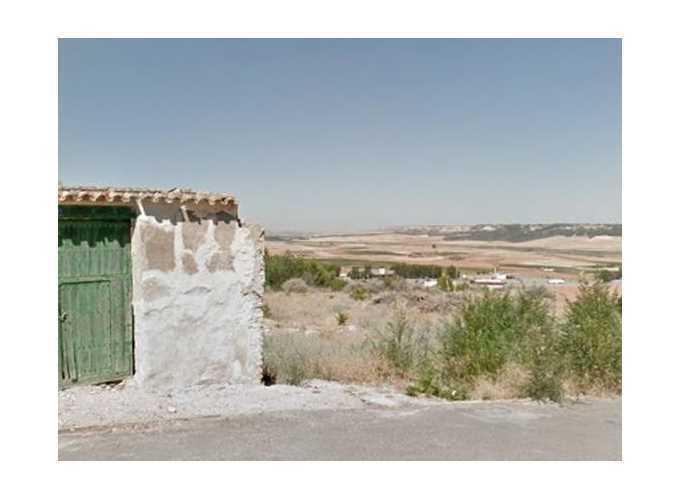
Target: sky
column 354, row 134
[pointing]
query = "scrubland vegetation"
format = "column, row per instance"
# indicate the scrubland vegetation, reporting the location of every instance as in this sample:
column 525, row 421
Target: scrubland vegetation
column 443, row 343
column 495, row 335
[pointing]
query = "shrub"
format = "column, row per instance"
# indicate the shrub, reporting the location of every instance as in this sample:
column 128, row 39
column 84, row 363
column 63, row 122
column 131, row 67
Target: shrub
column 337, row 284
column 432, row 382
column 342, row 318
column 359, row 293
column 605, row 275
column 546, row 370
column 398, row 344
column 488, row 333
column 284, row 362
column 394, row 282
column 444, row 282
column 281, row 268
column 295, row 285
column 592, row 339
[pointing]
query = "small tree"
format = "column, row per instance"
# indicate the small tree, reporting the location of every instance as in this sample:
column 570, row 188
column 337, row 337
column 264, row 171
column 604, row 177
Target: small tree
column 444, row 282
column 592, row 342
column 355, row 274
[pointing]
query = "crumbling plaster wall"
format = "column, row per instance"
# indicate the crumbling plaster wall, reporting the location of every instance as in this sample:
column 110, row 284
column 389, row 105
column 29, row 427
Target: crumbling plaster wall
column 198, row 282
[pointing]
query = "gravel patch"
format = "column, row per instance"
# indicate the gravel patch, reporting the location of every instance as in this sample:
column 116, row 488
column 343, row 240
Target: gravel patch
column 127, row 403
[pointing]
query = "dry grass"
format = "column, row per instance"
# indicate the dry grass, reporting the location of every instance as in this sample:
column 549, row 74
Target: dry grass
column 509, row 384
column 342, row 356
column 305, row 338
column 316, row 312
column 575, row 388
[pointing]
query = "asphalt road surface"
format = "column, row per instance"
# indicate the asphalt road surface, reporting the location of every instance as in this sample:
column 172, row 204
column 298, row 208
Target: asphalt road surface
column 518, row 430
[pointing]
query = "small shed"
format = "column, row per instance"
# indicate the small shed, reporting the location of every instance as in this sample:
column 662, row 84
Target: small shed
column 161, row 286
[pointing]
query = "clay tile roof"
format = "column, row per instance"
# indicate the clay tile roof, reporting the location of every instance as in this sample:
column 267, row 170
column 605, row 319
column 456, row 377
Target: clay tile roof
column 127, row 194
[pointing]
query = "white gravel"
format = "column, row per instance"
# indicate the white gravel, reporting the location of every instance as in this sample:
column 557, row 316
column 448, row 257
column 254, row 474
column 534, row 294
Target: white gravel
column 94, row 406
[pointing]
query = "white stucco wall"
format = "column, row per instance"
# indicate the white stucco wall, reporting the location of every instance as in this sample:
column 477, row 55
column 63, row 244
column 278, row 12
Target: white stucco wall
column 197, row 298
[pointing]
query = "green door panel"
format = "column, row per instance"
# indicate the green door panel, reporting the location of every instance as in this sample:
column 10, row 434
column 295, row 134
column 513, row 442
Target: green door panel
column 95, row 327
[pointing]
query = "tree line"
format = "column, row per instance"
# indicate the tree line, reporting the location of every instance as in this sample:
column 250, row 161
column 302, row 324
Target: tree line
column 281, row 268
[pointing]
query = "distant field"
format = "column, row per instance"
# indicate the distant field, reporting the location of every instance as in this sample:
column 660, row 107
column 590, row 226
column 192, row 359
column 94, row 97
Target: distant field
column 566, row 255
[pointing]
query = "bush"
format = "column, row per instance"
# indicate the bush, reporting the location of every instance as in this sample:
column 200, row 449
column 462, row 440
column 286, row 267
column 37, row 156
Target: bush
column 337, row 284
column 488, row 333
column 295, row 285
column 342, row 318
column 444, row 282
column 546, row 370
column 606, row 275
column 398, row 344
column 359, row 293
column 430, row 382
column 281, row 268
column 495, row 328
column 284, row 362
column 592, row 339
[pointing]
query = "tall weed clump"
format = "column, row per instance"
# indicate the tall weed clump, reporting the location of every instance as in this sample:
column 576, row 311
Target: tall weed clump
column 494, row 329
column 489, row 333
column 398, row 344
column 545, row 367
column 592, row 340
column 285, row 360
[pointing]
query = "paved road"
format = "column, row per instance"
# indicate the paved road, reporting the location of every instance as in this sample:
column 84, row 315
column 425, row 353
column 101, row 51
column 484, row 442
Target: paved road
column 467, row 431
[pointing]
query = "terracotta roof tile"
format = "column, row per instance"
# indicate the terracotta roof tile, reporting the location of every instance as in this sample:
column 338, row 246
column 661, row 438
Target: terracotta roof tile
column 127, row 194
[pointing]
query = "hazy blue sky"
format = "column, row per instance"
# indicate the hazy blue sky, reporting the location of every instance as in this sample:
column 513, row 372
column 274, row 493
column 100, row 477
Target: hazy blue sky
column 352, row 134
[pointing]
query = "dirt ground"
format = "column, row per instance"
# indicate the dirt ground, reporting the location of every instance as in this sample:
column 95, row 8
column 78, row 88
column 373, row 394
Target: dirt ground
column 316, row 311
column 126, row 404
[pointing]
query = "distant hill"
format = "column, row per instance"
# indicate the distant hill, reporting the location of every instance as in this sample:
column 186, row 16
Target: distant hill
column 512, row 232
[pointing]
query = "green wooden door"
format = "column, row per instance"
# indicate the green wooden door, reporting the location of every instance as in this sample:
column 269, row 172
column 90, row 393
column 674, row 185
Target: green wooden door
column 95, row 321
